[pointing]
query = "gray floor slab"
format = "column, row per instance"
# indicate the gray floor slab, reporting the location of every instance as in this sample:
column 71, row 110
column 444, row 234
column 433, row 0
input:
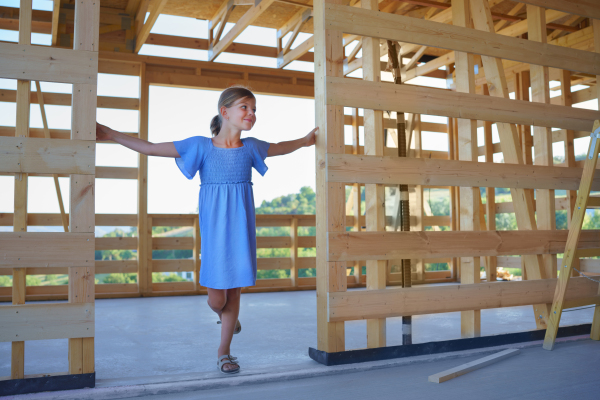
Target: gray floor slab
column 568, row 372
column 161, row 336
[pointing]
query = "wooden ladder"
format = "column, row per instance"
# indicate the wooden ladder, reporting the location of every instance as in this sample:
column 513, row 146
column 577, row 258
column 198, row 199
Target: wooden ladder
column 583, row 201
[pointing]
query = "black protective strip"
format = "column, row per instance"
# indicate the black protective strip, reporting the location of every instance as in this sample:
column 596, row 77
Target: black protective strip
column 47, row 384
column 386, row 353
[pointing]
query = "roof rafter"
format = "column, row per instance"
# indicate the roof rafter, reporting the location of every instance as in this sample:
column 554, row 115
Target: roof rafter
column 155, row 9
column 55, row 13
column 248, row 18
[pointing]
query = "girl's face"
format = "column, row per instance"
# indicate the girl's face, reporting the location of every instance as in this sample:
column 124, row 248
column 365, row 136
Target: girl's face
column 242, row 114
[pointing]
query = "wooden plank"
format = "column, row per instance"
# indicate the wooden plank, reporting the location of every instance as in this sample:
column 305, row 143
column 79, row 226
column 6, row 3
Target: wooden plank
column 274, row 263
column 24, row 155
column 46, row 321
column 172, row 265
column 172, row 243
column 116, row 173
column 48, row 64
column 472, row 366
column 116, row 243
column 116, row 267
column 172, row 286
column 396, row 302
column 424, row 100
column 402, row 28
column 584, row 8
column 155, row 9
column 173, row 219
column 144, row 223
column 331, row 277
column 33, row 249
column 574, row 239
column 413, row 171
column 246, row 20
column 349, row 246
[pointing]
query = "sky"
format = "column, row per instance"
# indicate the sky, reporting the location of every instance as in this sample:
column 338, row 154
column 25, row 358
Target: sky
column 176, row 114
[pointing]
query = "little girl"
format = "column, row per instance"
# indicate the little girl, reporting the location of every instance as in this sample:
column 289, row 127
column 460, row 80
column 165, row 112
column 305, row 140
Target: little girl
column 227, row 219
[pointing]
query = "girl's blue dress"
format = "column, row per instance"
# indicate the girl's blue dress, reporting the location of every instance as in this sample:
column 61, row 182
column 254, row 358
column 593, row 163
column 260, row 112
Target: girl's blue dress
column 227, row 219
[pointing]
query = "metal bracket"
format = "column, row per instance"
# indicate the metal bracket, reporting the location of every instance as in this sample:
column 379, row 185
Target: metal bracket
column 595, row 136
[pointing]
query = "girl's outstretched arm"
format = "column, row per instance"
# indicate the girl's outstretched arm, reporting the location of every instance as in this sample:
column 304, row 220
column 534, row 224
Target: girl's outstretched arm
column 279, row 149
column 141, row 146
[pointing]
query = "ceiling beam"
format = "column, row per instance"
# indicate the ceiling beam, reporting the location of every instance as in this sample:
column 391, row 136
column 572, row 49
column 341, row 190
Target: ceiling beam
column 155, row 9
column 246, row 20
column 583, row 8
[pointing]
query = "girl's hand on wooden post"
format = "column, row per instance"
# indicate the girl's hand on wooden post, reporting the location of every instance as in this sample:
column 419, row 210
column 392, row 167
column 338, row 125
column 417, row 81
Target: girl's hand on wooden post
column 102, row 132
column 311, row 138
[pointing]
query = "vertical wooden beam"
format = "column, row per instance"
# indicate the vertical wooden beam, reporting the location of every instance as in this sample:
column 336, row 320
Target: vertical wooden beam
column 331, row 276
column 20, row 200
column 197, row 245
column 453, row 194
column 542, row 136
column 595, row 334
column 294, row 251
column 567, row 100
column 374, row 194
column 490, row 194
column 82, row 212
column 356, row 205
column 55, row 15
column 522, row 199
column 470, row 197
column 418, row 214
column 144, row 276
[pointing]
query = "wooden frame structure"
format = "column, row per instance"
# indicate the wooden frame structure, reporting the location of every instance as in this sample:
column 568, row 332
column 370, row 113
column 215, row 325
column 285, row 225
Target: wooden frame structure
column 335, row 246
column 22, row 155
column 516, row 46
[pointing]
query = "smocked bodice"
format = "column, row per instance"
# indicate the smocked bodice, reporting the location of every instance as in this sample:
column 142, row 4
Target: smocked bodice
column 226, row 165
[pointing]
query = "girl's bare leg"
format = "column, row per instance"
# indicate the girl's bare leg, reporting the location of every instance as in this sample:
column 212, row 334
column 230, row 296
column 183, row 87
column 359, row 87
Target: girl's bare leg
column 226, row 303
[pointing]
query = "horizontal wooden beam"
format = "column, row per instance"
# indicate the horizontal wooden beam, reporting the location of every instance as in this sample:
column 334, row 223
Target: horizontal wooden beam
column 64, row 99
column 359, row 21
column 48, row 64
column 34, row 249
column 46, row 321
column 116, row 173
column 424, row 100
column 356, row 246
column 51, row 156
column 584, row 8
column 396, row 302
column 235, row 48
column 423, row 171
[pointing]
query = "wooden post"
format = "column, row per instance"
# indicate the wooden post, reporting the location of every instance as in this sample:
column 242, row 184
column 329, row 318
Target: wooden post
column 294, row 252
column 595, row 334
column 420, row 264
column 82, row 211
column 197, row 245
column 356, row 210
column 20, row 201
column 144, row 276
column 331, row 276
column 467, row 151
column 542, row 136
column 490, row 194
column 374, row 194
column 453, row 194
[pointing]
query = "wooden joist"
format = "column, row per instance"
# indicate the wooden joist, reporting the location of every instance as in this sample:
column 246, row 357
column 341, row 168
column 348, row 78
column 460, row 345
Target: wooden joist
column 48, row 64
column 584, row 8
column 64, row 99
column 424, row 100
column 350, row 246
column 33, row 249
column 472, row 366
column 46, row 321
column 51, row 156
column 396, row 302
column 422, row 171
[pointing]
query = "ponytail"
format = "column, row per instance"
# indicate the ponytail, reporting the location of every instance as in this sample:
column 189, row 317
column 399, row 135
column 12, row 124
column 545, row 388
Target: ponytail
column 227, row 98
column 215, row 125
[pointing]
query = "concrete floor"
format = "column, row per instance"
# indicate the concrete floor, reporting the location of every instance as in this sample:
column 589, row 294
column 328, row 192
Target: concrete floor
column 568, row 372
column 141, row 338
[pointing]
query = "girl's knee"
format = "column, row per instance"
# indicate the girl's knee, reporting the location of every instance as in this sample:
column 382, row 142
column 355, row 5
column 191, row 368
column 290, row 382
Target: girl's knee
column 217, row 302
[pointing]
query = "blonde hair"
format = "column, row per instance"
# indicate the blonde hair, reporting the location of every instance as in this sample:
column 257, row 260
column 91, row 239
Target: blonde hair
column 227, row 98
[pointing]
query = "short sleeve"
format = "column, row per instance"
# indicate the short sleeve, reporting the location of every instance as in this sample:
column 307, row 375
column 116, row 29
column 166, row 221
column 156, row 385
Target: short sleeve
column 259, row 150
column 191, row 154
